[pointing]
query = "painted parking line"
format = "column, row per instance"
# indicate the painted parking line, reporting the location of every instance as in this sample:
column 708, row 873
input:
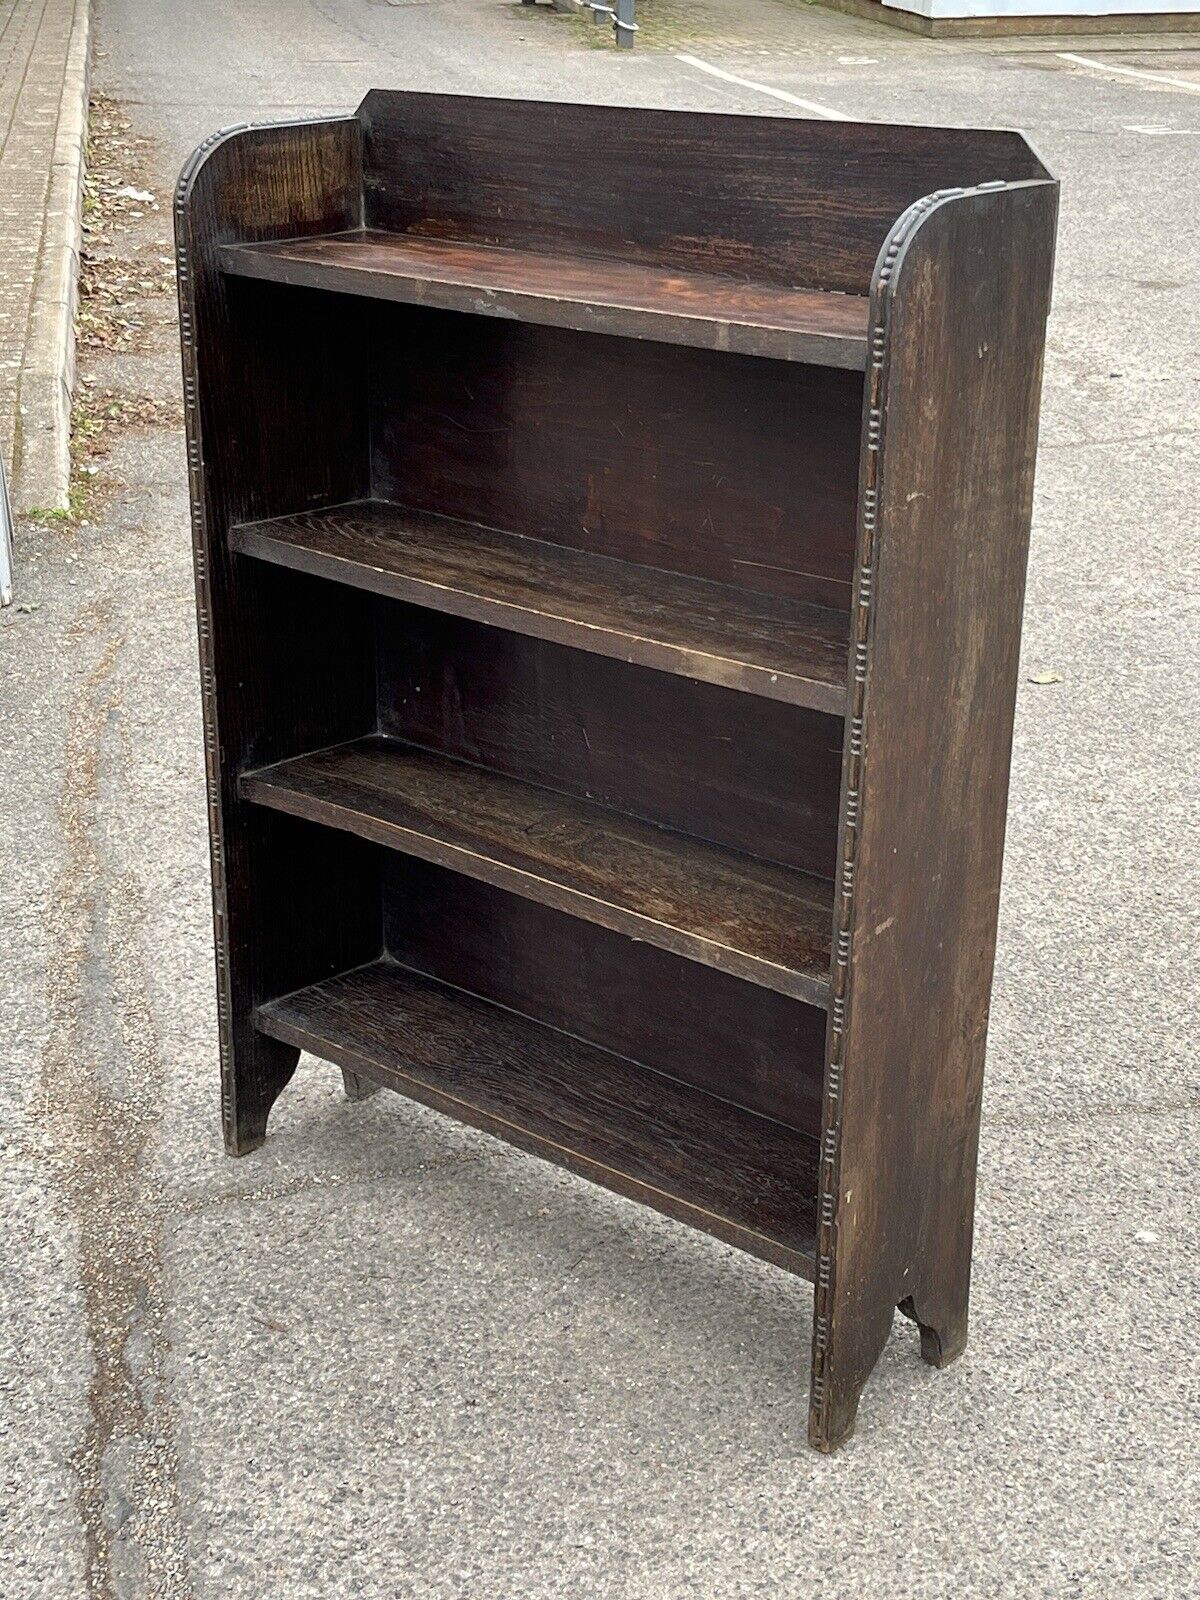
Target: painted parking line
column 764, row 88
column 1130, row 72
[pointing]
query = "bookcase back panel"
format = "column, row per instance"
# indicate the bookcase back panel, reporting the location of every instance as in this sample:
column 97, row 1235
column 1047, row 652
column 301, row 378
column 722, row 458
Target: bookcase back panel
column 314, row 906
column 742, row 771
column 290, row 424
column 761, row 1050
column 733, row 468
column 306, row 666
column 790, row 200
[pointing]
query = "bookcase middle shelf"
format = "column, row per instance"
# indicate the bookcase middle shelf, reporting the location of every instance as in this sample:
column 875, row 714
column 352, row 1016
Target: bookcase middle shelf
column 752, row 918
column 779, row 648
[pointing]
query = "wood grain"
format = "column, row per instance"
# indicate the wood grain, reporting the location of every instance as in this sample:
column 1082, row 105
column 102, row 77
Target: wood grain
column 724, row 467
column 628, row 587
column 593, row 294
column 733, row 1039
column 755, row 775
column 744, row 1178
column 783, row 650
column 750, row 918
column 777, row 199
column 285, row 663
column 961, row 299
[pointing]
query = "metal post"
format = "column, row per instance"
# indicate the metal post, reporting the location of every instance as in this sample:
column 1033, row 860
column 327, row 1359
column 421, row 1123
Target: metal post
column 6, row 540
column 623, row 24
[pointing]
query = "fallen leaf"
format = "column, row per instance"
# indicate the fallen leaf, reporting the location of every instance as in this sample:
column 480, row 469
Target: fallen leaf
column 1045, row 677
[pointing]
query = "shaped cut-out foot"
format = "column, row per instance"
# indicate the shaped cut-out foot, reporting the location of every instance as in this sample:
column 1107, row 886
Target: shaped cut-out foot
column 259, row 1076
column 850, row 1349
column 943, row 1336
column 828, row 1431
column 358, row 1087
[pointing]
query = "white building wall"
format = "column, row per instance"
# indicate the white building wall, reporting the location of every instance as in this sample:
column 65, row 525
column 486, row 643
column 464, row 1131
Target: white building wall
column 936, row 9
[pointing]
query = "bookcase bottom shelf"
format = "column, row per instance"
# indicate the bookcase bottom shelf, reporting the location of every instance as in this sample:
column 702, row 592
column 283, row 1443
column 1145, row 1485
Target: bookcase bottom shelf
column 742, row 1177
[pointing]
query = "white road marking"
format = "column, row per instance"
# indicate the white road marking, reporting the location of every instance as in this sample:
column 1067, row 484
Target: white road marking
column 1131, row 72
column 764, row 88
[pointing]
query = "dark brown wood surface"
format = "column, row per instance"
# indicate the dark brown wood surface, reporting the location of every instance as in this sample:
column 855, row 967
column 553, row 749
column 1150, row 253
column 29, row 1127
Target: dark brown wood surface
column 780, row 649
column 776, row 199
column 735, row 1040
column 750, row 918
column 744, row 1178
column 525, row 798
column 961, row 301
column 272, row 422
column 752, row 774
column 723, row 467
column 591, row 293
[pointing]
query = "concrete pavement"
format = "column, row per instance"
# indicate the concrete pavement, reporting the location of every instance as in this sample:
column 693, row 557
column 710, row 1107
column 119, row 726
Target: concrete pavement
column 385, row 1357
column 43, row 92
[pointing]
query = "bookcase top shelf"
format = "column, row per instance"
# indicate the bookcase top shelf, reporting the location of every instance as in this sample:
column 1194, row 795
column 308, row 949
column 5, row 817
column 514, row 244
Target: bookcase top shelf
column 780, row 649
column 755, row 919
column 592, row 293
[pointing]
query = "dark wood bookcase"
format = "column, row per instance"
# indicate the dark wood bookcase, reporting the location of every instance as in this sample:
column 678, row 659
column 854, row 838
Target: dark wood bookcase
column 610, row 532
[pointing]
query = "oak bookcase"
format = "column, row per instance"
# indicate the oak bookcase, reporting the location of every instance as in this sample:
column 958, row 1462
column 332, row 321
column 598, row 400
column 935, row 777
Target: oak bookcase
column 610, row 534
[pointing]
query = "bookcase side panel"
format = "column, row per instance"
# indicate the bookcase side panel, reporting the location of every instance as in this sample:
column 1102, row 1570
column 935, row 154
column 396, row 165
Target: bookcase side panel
column 950, row 433
column 285, row 663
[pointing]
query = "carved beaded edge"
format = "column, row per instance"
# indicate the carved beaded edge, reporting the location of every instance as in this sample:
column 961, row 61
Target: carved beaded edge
column 185, row 283
column 186, row 287
column 875, row 418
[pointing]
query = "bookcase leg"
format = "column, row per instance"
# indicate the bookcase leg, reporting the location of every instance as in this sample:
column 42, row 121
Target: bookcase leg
column 252, row 1085
column 836, row 1422
column 943, row 1327
column 844, row 1355
column 358, row 1088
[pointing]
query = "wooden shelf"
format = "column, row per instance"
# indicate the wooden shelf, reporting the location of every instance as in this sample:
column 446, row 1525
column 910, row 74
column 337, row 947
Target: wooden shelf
column 754, row 919
column 593, row 293
column 781, row 649
column 745, row 1178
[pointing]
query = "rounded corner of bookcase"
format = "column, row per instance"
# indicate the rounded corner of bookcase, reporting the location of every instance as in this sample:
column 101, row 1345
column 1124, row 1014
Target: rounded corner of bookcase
column 902, row 235
column 199, row 158
column 204, row 163
column 919, row 232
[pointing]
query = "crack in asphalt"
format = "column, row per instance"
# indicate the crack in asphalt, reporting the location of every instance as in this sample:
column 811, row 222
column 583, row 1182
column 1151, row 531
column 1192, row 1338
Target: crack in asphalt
column 99, row 1086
